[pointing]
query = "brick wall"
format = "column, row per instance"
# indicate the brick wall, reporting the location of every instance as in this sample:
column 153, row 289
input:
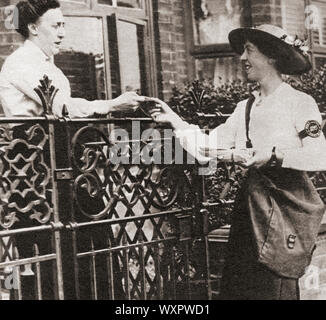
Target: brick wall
column 10, row 40
column 170, row 44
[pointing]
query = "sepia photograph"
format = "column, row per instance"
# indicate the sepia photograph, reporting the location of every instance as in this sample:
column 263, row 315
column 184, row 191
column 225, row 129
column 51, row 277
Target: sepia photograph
column 170, row 151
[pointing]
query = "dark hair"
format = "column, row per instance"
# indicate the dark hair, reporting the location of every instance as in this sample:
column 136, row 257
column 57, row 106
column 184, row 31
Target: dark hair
column 29, row 11
column 271, row 51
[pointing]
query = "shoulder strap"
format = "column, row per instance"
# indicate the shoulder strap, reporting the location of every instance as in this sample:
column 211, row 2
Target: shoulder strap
column 248, row 110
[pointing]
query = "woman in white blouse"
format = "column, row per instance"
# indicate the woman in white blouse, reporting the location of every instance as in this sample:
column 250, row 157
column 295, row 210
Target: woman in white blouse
column 278, row 211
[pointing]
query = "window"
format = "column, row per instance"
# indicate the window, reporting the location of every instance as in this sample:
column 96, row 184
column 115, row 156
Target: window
column 114, row 53
column 83, row 61
column 212, row 20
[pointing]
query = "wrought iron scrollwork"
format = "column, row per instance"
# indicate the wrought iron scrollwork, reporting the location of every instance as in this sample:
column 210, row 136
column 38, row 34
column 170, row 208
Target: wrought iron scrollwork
column 25, row 173
column 25, row 178
column 109, row 183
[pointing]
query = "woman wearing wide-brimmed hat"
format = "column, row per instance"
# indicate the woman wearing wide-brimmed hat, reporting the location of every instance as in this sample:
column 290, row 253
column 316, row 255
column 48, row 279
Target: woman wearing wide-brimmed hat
column 278, row 211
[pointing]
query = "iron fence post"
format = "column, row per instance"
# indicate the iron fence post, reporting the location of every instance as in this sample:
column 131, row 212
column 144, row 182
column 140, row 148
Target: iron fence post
column 65, row 177
column 46, row 91
column 197, row 94
column 55, row 200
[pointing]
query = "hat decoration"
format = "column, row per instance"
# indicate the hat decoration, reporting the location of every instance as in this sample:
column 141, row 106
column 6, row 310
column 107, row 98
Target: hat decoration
column 297, row 43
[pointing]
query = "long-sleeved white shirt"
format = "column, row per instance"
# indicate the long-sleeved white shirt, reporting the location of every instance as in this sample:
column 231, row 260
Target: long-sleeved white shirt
column 21, row 74
column 277, row 121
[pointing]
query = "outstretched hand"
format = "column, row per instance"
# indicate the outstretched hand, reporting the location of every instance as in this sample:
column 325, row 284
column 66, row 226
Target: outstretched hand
column 162, row 113
column 128, row 101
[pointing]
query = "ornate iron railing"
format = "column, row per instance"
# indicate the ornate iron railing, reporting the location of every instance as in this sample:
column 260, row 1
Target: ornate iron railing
column 76, row 224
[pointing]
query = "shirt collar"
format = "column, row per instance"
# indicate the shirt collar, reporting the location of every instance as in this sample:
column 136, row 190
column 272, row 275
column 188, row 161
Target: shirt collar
column 37, row 51
column 280, row 88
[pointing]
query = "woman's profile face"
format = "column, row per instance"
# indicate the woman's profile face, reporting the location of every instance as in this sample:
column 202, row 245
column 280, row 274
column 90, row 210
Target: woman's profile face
column 50, row 31
column 257, row 65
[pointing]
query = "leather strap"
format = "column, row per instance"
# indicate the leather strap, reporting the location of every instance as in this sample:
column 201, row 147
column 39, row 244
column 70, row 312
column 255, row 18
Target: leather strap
column 303, row 134
column 250, row 102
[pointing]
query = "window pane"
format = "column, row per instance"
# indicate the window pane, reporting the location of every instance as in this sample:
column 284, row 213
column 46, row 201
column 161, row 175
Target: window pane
column 82, row 58
column 219, row 70
column 122, row 3
column 214, row 19
column 128, row 56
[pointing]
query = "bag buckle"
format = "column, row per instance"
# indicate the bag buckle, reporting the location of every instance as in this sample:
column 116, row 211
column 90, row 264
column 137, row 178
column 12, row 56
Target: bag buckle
column 291, row 241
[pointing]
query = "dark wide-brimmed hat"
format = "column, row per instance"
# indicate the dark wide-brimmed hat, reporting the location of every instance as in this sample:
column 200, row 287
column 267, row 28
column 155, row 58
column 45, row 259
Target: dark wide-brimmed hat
column 290, row 51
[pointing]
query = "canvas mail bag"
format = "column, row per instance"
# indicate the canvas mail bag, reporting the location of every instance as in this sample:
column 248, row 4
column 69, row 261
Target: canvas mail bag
column 285, row 211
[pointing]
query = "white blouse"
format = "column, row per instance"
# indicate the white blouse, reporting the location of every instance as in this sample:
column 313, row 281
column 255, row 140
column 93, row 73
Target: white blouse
column 276, row 121
column 22, row 72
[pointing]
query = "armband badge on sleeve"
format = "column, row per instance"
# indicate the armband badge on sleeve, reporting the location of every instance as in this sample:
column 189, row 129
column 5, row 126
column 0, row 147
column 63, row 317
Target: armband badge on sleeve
column 312, row 129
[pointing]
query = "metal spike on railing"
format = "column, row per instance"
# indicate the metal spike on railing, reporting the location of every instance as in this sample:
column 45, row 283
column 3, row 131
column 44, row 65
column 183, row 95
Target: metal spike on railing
column 46, row 91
